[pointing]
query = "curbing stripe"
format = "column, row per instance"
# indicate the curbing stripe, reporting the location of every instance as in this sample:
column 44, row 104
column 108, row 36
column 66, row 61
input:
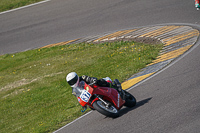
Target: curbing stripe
column 113, row 35
column 131, row 82
column 59, row 44
column 175, row 32
column 178, row 45
column 176, row 39
column 181, row 37
column 170, row 55
column 160, row 31
column 142, row 31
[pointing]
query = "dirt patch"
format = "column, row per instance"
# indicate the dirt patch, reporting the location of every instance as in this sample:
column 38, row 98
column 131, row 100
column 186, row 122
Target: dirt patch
column 25, row 82
column 147, row 40
column 15, row 85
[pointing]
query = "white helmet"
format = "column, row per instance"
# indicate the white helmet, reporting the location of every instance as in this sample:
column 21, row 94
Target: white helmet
column 72, row 79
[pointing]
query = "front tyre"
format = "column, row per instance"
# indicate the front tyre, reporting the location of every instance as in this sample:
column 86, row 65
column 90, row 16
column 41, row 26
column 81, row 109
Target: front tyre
column 130, row 100
column 110, row 111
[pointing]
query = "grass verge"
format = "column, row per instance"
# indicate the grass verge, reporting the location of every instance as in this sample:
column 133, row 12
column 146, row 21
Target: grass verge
column 34, row 94
column 11, row 4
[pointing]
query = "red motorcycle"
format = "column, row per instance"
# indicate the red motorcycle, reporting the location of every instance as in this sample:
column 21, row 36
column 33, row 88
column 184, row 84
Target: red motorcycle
column 107, row 101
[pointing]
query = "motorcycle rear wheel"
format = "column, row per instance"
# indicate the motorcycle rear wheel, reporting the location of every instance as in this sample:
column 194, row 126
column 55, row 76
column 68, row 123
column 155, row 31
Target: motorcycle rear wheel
column 130, row 100
column 110, row 111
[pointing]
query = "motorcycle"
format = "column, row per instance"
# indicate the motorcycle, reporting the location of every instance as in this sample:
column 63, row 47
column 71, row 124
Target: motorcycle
column 107, row 101
column 197, row 4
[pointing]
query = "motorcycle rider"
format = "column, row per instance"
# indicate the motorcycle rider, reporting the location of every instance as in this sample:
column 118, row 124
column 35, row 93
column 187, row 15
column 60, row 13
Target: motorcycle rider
column 197, row 3
column 73, row 80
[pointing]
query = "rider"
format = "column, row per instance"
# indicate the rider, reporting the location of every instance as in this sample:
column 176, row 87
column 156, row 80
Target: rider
column 197, row 4
column 73, row 80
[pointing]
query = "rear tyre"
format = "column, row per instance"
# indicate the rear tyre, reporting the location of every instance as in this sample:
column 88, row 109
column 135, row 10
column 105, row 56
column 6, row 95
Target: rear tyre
column 130, row 100
column 110, row 111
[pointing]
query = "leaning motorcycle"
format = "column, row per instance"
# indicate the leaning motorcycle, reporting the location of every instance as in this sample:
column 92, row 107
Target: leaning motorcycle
column 107, row 101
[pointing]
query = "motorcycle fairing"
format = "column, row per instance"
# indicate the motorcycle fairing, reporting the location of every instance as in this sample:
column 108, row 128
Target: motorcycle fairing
column 85, row 95
column 111, row 95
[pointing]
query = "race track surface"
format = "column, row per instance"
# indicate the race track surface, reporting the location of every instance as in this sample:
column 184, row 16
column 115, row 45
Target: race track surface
column 62, row 20
column 167, row 102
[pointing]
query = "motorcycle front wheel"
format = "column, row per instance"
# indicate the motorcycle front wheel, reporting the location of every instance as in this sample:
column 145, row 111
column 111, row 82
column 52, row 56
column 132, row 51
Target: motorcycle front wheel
column 110, row 111
column 130, row 100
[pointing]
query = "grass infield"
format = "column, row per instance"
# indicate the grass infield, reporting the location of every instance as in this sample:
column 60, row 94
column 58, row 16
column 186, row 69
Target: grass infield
column 11, row 4
column 34, row 94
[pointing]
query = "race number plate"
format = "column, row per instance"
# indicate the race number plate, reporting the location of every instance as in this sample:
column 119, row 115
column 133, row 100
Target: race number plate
column 85, row 96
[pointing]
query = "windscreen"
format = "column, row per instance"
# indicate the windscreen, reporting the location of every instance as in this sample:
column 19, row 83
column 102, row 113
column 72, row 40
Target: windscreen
column 78, row 90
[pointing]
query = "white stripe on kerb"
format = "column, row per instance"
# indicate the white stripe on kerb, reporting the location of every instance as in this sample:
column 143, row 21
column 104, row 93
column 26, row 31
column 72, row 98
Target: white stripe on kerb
column 73, row 121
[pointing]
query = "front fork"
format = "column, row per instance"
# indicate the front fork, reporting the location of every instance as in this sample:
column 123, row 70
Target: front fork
column 97, row 96
column 107, row 105
column 123, row 95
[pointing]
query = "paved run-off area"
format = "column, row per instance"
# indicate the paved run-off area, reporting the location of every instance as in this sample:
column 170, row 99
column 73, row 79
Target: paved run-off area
column 176, row 39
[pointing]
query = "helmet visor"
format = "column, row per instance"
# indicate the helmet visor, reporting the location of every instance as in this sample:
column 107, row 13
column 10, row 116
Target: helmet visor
column 73, row 81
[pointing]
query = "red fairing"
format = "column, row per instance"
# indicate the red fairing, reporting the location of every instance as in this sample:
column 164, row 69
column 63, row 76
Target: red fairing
column 82, row 103
column 111, row 95
column 108, row 94
column 85, row 97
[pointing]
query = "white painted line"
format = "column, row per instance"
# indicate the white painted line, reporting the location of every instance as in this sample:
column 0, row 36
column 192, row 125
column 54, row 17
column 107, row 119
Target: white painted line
column 24, row 6
column 73, row 121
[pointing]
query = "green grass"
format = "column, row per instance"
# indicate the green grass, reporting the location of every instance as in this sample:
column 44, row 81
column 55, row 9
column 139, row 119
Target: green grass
column 34, row 94
column 11, row 4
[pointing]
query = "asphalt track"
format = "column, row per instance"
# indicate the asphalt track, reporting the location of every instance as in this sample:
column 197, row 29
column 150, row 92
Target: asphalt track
column 167, row 102
column 61, row 20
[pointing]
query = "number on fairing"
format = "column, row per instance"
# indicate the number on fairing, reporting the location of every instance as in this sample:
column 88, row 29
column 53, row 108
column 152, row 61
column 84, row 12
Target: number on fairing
column 85, row 96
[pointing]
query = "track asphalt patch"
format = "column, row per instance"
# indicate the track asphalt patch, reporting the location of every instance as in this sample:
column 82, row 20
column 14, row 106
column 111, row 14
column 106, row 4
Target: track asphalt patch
column 176, row 39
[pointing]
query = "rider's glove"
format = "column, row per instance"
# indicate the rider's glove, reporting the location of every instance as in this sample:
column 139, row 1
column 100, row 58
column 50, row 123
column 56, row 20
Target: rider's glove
column 84, row 77
column 89, row 79
column 94, row 80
